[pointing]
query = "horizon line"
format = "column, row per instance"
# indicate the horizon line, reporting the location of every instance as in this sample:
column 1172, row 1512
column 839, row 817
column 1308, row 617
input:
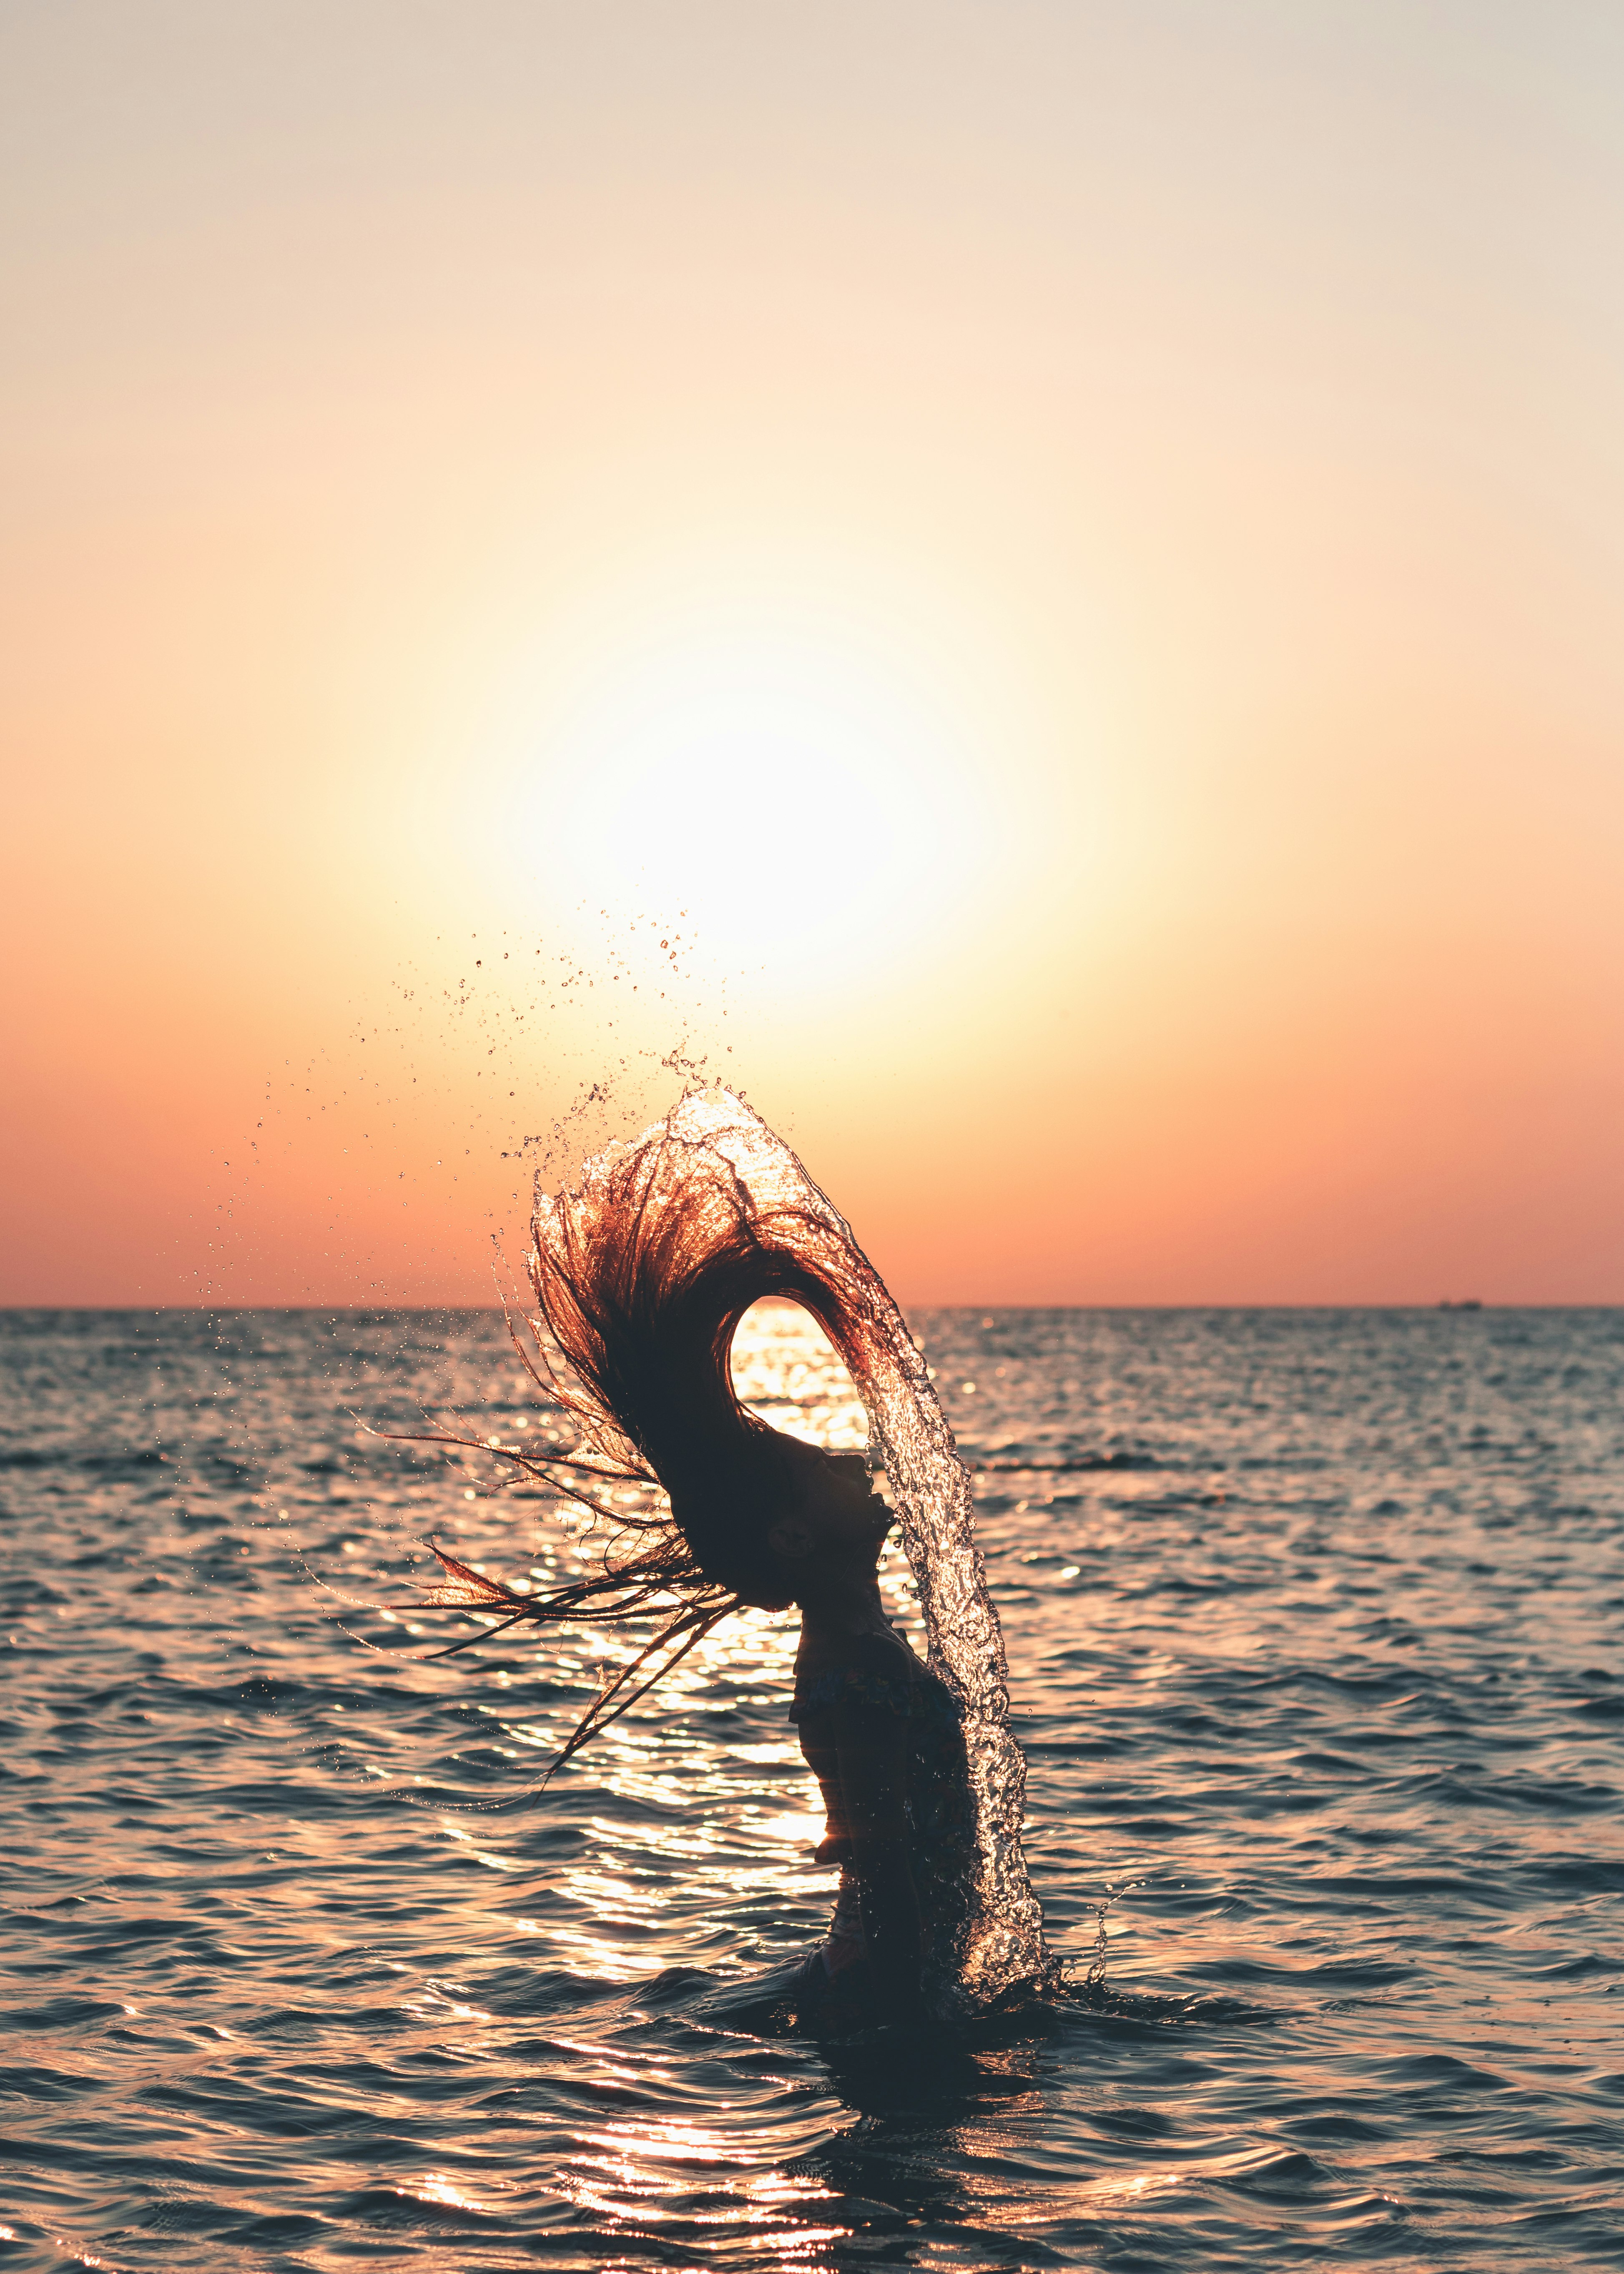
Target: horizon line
column 1468, row 1304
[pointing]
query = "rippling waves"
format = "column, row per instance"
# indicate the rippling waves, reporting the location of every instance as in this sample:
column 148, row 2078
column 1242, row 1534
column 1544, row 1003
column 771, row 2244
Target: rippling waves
column 1312, row 1622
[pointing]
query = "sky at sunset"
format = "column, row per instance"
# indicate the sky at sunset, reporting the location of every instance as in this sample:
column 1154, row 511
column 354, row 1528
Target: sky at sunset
column 1036, row 586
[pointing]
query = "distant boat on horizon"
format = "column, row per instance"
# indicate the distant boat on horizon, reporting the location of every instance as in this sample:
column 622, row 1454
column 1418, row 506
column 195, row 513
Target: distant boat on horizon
column 1466, row 1303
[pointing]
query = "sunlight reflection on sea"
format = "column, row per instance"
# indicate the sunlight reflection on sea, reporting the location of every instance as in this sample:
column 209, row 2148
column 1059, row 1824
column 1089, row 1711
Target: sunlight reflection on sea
column 1312, row 1622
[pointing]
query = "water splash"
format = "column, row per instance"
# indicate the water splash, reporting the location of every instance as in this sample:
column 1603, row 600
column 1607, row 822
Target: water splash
column 711, row 1139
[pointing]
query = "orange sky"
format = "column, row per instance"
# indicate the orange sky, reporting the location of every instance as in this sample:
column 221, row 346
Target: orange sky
column 1068, row 558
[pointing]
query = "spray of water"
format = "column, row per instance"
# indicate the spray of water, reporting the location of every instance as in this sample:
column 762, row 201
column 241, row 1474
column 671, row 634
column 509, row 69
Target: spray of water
column 713, row 1138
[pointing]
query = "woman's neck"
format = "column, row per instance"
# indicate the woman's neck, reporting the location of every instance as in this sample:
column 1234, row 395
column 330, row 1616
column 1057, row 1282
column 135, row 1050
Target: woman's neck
column 842, row 1604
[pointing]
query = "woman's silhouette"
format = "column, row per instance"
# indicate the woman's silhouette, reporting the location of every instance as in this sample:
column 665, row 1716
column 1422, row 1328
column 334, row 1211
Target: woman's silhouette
column 641, row 1279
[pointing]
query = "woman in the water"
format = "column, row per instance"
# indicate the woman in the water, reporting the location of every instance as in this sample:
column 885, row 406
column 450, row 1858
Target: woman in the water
column 641, row 1281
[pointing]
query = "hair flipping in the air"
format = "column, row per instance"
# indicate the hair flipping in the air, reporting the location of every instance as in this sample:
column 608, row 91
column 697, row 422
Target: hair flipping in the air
column 641, row 1279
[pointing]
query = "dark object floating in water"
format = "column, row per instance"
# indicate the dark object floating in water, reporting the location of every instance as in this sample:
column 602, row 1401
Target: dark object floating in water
column 1467, row 1303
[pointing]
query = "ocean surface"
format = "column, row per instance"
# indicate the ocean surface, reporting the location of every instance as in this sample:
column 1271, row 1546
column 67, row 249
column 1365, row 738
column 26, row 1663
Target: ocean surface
column 1313, row 1622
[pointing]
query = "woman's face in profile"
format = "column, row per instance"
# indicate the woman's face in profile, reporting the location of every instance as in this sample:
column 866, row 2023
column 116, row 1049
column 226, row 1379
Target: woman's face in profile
column 833, row 1516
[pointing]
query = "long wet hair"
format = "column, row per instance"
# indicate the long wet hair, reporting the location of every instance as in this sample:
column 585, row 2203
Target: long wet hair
column 641, row 1279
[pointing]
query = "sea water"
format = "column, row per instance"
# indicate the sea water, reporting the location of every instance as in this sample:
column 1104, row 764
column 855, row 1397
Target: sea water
column 1312, row 1621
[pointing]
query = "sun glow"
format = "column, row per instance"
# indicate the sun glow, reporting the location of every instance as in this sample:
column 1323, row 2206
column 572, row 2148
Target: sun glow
column 783, row 768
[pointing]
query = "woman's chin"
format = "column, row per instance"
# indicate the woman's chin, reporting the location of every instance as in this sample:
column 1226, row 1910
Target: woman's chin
column 770, row 1602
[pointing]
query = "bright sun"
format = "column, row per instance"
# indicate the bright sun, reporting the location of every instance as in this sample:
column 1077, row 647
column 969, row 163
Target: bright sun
column 787, row 775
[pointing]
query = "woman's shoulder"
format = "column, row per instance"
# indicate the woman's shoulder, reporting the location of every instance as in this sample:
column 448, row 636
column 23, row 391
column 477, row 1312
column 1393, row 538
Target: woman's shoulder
column 870, row 1671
